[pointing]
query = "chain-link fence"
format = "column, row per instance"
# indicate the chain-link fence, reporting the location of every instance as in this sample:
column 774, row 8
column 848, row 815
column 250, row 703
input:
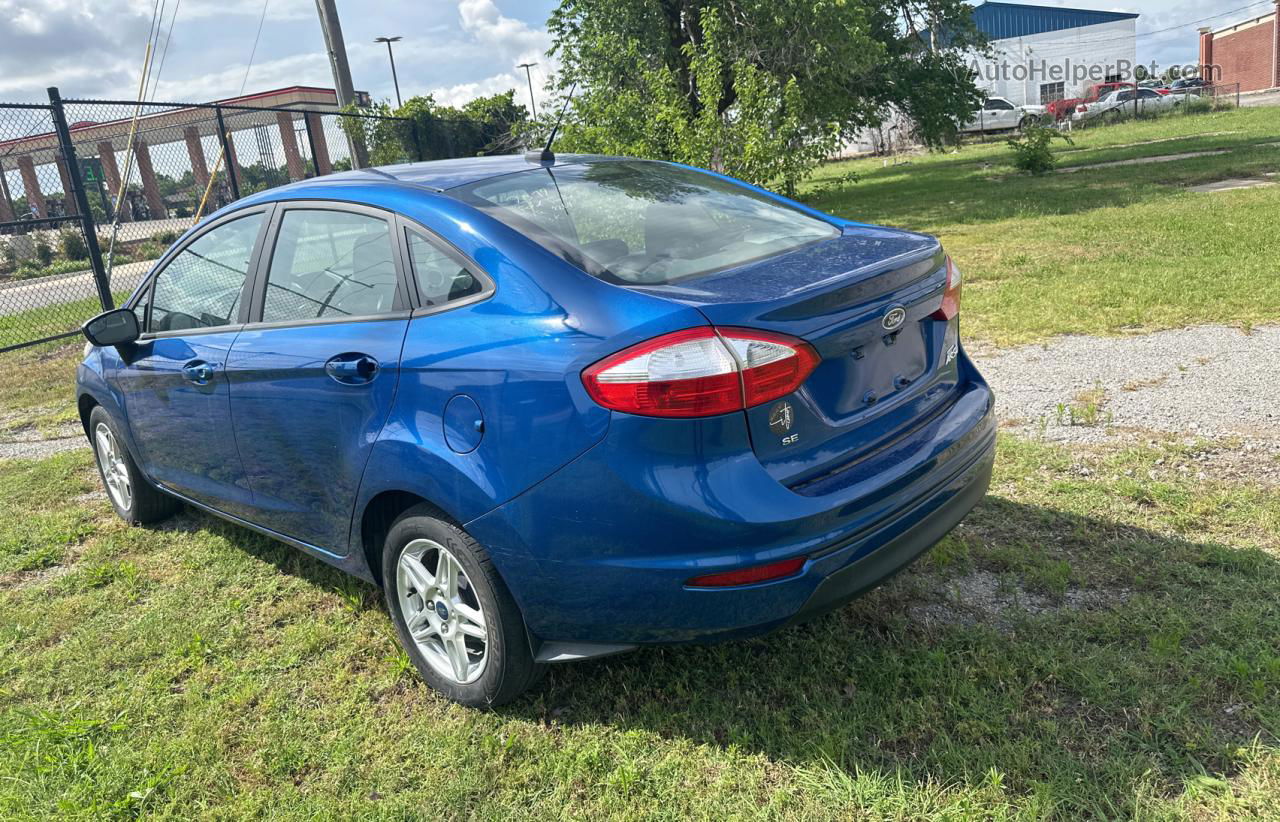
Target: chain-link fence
column 152, row 169
column 48, row 284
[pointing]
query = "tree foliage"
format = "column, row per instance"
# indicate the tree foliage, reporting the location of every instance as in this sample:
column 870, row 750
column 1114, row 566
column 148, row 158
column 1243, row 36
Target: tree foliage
column 430, row 131
column 761, row 89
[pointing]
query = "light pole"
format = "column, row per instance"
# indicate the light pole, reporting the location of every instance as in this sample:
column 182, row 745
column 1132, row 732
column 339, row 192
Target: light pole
column 392, row 58
column 532, row 107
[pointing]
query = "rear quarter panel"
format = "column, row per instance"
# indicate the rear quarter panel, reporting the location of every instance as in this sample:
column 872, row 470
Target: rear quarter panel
column 518, row 355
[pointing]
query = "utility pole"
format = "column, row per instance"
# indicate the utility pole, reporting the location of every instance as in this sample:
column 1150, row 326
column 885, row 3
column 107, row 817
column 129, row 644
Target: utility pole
column 533, row 108
column 392, row 58
column 333, row 41
column 337, row 51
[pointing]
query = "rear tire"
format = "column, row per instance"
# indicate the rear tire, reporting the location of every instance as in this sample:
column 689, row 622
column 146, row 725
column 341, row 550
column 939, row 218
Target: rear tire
column 453, row 613
column 134, row 498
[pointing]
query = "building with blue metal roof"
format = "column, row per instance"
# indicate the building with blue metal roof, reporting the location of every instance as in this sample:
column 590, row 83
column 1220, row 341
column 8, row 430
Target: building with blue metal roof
column 1046, row 53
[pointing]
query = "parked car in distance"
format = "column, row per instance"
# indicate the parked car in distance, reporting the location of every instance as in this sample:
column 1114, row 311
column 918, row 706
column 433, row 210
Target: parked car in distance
column 1187, row 83
column 1120, row 104
column 1063, row 109
column 557, row 407
column 998, row 114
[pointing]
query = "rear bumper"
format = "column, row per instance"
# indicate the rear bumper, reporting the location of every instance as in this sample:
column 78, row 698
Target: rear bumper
column 600, row 551
column 861, row 575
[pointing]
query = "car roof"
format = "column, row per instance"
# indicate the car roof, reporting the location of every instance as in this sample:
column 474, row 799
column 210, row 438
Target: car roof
column 439, row 175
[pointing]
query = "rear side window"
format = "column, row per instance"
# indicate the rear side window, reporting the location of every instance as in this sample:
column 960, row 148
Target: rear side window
column 441, row 277
column 201, row 287
column 330, row 264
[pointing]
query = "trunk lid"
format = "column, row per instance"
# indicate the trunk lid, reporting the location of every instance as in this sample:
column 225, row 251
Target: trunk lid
column 864, row 301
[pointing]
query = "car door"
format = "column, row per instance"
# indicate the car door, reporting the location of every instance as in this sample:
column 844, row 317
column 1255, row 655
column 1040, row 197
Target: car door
column 314, row 373
column 173, row 382
column 1000, row 114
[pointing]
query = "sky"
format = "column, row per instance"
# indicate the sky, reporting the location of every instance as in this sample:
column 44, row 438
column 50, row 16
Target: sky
column 453, row 50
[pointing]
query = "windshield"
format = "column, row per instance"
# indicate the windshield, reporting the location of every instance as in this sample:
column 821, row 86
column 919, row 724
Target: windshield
column 635, row 222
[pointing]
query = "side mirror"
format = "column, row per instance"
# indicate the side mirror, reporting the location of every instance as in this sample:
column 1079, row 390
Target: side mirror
column 116, row 327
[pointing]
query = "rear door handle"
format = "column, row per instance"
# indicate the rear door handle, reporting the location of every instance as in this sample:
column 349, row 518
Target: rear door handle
column 198, row 372
column 352, row 369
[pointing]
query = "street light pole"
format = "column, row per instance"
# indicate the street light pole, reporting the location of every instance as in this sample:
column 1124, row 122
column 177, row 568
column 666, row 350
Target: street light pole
column 392, row 58
column 527, row 76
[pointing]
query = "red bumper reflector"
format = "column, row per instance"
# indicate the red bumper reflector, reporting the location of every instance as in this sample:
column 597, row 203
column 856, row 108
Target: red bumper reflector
column 748, row 576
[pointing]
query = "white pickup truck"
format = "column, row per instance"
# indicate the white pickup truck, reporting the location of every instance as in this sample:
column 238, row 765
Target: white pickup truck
column 998, row 114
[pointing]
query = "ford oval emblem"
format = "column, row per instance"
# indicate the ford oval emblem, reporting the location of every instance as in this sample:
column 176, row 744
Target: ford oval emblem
column 894, row 318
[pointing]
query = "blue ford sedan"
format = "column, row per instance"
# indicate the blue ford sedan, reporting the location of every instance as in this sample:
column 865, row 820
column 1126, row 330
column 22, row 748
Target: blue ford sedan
column 556, row 407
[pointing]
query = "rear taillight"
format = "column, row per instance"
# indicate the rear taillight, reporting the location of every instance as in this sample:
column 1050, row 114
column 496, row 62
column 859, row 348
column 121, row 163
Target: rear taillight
column 700, row 372
column 1082, row 108
column 950, row 295
column 749, row 576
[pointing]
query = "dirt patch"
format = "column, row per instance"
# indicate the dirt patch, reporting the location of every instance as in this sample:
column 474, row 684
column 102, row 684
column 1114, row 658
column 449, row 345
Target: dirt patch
column 1232, row 184
column 983, row 597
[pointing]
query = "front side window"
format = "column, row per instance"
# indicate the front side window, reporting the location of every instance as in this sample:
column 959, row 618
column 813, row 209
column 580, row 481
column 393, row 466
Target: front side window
column 999, row 104
column 441, row 278
column 201, row 287
column 636, row 222
column 330, row 264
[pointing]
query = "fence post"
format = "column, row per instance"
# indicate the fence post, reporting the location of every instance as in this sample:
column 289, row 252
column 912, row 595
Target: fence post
column 228, row 159
column 417, row 140
column 311, row 145
column 68, row 151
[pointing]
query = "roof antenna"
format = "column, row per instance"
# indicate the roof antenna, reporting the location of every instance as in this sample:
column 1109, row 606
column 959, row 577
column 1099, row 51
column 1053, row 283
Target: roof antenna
column 545, row 156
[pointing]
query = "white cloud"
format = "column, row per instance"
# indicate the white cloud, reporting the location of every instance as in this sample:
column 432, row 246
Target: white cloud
column 297, row 70
column 505, row 40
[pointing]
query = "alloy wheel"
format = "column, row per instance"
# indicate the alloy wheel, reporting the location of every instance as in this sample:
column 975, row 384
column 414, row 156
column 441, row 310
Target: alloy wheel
column 115, row 471
column 441, row 610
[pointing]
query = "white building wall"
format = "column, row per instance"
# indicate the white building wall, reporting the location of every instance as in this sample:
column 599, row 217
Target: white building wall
column 1076, row 57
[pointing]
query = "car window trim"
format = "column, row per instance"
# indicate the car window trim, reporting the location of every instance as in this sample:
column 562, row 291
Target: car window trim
column 488, row 284
column 148, row 282
column 403, row 305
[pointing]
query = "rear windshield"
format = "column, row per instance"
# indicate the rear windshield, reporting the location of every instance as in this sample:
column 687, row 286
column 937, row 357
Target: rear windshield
column 644, row 223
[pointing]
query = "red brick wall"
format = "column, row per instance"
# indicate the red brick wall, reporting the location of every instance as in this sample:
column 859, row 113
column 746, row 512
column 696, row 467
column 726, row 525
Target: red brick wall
column 1246, row 57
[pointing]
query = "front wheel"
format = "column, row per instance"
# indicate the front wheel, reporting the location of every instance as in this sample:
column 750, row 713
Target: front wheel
column 453, row 613
column 134, row 499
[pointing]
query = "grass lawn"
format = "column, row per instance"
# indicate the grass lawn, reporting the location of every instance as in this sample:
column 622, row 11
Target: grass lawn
column 37, row 387
column 1099, row 638
column 1106, row 250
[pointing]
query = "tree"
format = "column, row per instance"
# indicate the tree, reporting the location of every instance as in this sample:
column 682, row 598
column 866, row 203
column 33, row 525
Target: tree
column 427, row 130
column 761, row 89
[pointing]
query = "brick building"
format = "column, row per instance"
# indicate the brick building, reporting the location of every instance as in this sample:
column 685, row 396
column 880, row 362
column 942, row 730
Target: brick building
column 1247, row 53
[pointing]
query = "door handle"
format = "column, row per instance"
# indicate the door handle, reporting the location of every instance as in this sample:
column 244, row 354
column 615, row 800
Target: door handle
column 352, row 369
column 198, row 372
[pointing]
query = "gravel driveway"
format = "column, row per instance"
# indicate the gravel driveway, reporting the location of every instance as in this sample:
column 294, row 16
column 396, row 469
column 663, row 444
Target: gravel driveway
column 1209, row 381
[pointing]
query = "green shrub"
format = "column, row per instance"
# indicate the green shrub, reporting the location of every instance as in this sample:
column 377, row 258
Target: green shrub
column 8, row 258
column 166, row 238
column 1032, row 151
column 44, row 254
column 71, row 244
column 32, row 269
